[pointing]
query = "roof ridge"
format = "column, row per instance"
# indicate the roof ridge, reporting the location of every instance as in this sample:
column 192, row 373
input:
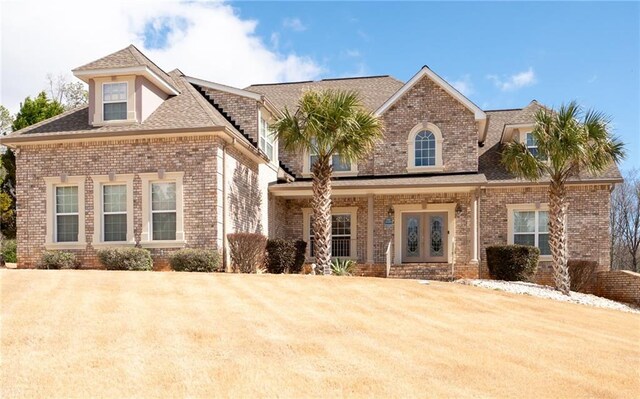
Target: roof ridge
column 356, row 77
column 326, row 80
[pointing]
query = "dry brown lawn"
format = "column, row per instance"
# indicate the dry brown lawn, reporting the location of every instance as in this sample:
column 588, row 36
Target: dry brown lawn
column 146, row 334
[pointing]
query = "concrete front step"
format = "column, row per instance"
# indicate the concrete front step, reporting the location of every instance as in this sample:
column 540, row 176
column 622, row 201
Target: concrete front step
column 422, row 272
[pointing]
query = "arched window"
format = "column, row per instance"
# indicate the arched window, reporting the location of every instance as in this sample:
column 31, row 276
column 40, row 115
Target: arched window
column 424, row 148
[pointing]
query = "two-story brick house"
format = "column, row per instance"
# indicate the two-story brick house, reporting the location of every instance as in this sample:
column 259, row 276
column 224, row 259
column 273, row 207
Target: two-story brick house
column 165, row 161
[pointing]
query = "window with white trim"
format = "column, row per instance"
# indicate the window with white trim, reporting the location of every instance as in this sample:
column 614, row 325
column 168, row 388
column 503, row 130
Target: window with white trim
column 266, row 139
column 531, row 227
column 342, row 235
column 424, row 148
column 67, row 218
column 114, row 101
column 532, row 145
column 114, row 212
column 339, row 164
column 163, row 211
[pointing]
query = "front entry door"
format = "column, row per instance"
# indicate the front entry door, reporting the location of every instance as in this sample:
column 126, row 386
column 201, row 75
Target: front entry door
column 424, row 237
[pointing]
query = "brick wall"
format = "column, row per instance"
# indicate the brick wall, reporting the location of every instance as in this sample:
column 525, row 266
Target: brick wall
column 427, row 102
column 619, row 285
column 587, row 219
column 195, row 156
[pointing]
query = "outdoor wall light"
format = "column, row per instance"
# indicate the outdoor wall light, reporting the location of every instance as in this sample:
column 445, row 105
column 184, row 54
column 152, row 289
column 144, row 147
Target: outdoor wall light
column 458, row 210
column 390, row 212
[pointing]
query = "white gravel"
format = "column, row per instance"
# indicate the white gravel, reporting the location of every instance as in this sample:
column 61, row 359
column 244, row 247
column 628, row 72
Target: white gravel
column 543, row 291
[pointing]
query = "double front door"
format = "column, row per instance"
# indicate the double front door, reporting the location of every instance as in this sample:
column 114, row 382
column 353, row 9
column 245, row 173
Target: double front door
column 424, row 237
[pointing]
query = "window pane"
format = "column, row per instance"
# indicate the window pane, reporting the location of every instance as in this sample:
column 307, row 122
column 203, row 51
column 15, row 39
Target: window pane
column 543, row 221
column 67, row 228
column 525, row 239
column 543, row 244
column 340, row 165
column 531, row 141
column 163, row 197
column 524, row 222
column 67, row 199
column 312, row 161
column 115, row 111
column 115, row 198
column 114, row 92
column 425, row 149
column 115, row 227
column 341, row 246
column 341, row 225
column 164, row 226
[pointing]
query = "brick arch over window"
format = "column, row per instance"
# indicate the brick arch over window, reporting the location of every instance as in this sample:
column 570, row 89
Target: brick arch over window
column 423, row 136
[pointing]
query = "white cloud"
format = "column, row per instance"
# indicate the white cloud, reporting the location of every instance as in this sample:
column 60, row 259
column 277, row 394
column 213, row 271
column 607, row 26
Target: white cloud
column 515, row 81
column 352, row 53
column 464, row 85
column 208, row 40
column 294, row 24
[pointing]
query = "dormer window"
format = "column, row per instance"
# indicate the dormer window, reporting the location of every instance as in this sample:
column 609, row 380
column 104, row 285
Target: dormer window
column 532, row 145
column 114, row 101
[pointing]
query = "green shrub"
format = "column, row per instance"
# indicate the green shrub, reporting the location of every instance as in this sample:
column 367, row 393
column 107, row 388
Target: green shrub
column 582, row 274
column 9, row 251
column 512, row 262
column 280, row 256
column 195, row 260
column 125, row 259
column 246, row 251
column 342, row 267
column 301, row 256
column 58, row 260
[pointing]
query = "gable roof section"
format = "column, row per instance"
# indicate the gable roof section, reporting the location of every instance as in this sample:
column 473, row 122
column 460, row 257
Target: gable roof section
column 187, row 111
column 373, row 90
column 526, row 117
column 425, row 71
column 129, row 59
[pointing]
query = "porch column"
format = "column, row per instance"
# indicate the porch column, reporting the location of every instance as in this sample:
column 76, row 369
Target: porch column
column 370, row 222
column 474, row 227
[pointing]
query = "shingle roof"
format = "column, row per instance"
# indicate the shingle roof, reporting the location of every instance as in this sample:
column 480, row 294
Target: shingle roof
column 374, row 90
column 489, row 155
column 184, row 111
column 127, row 57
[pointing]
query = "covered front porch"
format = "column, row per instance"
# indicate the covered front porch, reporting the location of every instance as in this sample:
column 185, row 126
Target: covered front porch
column 405, row 227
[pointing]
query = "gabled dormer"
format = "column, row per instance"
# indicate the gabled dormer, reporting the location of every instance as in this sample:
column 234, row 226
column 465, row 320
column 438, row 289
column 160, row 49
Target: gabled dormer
column 124, row 87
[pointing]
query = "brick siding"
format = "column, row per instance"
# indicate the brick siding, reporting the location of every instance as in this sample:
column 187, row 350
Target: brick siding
column 619, row 285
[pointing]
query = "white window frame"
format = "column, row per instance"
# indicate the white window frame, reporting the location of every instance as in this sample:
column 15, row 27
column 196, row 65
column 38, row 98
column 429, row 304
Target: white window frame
column 99, row 181
column 411, row 148
column 351, row 211
column 126, row 101
column 306, row 167
column 146, row 238
column 266, row 136
column 535, row 207
column 51, row 229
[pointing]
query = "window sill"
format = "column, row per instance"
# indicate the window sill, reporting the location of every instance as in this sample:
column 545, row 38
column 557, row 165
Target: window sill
column 115, row 122
column 545, row 258
column 65, row 245
column 334, row 174
column 418, row 169
column 104, row 244
column 163, row 244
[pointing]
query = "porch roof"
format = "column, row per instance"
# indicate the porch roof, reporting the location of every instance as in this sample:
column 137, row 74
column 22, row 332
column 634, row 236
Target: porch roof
column 402, row 184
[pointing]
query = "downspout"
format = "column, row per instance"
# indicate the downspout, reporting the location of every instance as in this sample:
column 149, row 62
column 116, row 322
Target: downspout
column 225, row 209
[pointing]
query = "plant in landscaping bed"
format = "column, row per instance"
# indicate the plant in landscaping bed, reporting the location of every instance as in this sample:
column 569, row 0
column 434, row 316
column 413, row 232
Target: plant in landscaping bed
column 246, row 251
column 280, row 256
column 342, row 267
column 512, row 262
column 125, row 259
column 9, row 251
column 582, row 274
column 58, row 260
column 195, row 260
column 301, row 256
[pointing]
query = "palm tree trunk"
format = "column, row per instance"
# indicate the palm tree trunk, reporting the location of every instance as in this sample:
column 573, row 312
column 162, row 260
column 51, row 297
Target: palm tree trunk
column 322, row 214
column 558, row 235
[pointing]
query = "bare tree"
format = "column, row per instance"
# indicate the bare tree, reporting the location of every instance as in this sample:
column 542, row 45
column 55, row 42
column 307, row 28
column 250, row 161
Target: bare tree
column 625, row 223
column 69, row 94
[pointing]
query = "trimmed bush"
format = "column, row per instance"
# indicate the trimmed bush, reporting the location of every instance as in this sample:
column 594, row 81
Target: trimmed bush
column 280, row 256
column 246, row 251
column 582, row 274
column 301, row 255
column 195, row 260
column 58, row 260
column 342, row 267
column 512, row 262
column 125, row 259
column 9, row 251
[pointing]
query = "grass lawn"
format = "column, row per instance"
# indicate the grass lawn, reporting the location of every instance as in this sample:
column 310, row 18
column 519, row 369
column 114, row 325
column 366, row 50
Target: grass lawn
column 144, row 334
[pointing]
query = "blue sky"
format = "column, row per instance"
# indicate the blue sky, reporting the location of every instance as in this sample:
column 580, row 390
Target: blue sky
column 589, row 52
column 500, row 54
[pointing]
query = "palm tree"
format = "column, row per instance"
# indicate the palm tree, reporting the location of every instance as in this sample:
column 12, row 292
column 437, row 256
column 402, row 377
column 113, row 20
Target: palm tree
column 569, row 141
column 327, row 123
